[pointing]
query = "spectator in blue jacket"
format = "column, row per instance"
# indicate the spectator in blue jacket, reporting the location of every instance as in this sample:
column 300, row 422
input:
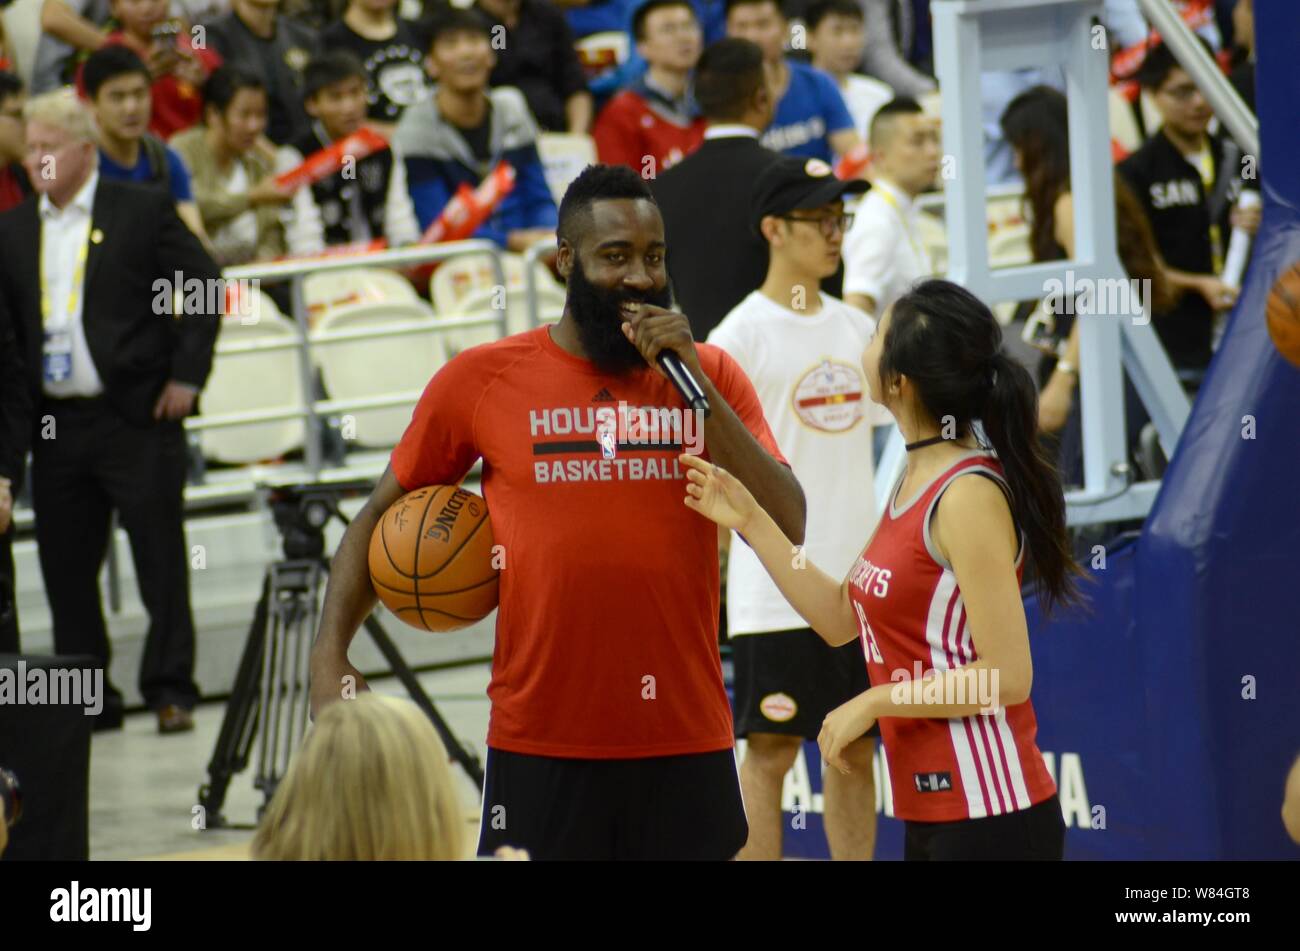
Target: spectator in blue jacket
column 461, row 133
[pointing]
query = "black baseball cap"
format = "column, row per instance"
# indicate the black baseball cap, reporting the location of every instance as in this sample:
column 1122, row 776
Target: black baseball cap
column 799, row 184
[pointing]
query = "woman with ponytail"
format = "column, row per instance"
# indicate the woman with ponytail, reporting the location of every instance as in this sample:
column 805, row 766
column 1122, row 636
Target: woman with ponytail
column 935, row 596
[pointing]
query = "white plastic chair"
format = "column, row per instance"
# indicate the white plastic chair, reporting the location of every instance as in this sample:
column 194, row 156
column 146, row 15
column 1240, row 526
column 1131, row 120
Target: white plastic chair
column 1150, row 114
column 933, row 237
column 240, row 382
column 22, row 25
column 1010, row 246
column 458, row 277
column 600, row 52
column 564, row 155
column 483, row 302
column 465, row 286
column 327, row 290
column 383, row 366
column 1123, row 123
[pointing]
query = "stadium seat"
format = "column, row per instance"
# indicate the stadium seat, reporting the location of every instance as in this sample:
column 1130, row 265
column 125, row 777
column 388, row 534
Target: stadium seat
column 564, row 156
column 1150, row 114
column 460, row 276
column 1009, row 246
column 1123, row 123
column 601, row 52
column 21, row 21
column 481, row 302
column 381, row 366
column 1004, row 211
column 466, row 285
column 241, row 382
column 325, row 290
column 935, row 240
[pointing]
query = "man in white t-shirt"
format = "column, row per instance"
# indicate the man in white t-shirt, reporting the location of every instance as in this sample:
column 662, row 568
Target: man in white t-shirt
column 883, row 253
column 836, row 36
column 802, row 350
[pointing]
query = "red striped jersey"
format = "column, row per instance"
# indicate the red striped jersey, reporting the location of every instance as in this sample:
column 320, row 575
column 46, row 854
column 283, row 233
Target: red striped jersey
column 911, row 619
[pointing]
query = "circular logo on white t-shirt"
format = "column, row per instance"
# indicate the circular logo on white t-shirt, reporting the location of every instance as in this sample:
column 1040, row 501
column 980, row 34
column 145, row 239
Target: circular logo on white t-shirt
column 829, row 397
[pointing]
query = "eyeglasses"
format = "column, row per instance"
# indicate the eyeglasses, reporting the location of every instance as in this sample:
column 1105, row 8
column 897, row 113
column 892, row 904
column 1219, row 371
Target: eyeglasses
column 828, row 224
column 1183, row 93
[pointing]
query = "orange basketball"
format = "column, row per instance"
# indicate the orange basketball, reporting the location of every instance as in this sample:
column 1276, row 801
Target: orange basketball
column 431, row 559
column 1283, row 310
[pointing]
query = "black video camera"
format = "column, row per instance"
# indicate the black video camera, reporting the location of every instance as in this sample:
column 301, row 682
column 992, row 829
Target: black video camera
column 302, row 510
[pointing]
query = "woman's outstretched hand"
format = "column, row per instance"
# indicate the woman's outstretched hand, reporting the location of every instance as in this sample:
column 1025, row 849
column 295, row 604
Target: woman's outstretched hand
column 717, row 495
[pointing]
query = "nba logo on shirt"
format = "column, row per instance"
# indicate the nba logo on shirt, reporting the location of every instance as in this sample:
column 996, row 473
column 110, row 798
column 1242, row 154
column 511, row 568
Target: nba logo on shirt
column 608, row 447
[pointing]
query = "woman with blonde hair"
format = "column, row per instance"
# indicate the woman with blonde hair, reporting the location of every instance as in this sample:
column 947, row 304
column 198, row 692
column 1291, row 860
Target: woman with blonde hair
column 372, row 781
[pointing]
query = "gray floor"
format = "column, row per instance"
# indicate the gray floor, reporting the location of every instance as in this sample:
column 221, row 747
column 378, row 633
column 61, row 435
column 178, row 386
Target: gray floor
column 144, row 787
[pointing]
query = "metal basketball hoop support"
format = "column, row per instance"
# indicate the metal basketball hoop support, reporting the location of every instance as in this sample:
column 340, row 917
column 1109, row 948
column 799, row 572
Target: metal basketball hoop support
column 974, row 36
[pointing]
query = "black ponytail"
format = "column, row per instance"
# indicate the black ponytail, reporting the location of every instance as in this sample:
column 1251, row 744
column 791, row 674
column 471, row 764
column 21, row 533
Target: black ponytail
column 1010, row 419
column 948, row 344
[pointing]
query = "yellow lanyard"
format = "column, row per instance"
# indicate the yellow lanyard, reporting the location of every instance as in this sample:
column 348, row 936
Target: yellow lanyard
column 78, row 277
column 907, row 230
column 1206, row 168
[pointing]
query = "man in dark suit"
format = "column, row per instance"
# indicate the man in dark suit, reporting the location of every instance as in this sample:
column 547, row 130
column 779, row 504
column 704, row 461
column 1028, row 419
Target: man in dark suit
column 15, row 429
column 88, row 276
column 715, row 257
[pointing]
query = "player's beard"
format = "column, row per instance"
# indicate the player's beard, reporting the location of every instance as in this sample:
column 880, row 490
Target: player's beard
column 599, row 321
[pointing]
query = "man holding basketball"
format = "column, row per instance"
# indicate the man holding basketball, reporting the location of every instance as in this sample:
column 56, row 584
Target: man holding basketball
column 610, row 734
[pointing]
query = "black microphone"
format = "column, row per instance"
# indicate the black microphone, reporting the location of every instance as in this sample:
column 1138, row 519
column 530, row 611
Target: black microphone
column 682, row 379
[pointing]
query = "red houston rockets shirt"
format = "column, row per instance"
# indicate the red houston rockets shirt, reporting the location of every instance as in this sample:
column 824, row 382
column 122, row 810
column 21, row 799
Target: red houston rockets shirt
column 606, row 640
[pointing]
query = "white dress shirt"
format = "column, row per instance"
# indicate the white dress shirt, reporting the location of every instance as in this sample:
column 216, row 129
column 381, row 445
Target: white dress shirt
column 883, row 253
column 730, row 130
column 64, row 233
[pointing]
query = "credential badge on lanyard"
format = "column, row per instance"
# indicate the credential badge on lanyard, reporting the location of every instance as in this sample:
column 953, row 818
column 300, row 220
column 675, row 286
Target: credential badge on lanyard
column 56, row 349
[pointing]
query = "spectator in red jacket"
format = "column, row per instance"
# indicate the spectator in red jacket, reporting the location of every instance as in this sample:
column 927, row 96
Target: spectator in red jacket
column 178, row 69
column 653, row 124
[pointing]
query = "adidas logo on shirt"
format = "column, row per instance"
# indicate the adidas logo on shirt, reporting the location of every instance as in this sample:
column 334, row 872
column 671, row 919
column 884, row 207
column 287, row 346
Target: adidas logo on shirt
column 604, row 396
column 932, row 782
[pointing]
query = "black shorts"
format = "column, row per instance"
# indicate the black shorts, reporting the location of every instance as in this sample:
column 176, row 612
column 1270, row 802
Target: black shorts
column 659, row 808
column 787, row 681
column 1036, row 834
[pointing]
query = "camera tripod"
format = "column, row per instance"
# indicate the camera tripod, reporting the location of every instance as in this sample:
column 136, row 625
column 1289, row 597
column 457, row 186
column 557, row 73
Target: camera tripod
column 270, row 702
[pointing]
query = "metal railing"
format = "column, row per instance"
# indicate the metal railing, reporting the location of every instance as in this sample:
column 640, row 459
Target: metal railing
column 532, row 255
column 312, row 409
column 936, row 202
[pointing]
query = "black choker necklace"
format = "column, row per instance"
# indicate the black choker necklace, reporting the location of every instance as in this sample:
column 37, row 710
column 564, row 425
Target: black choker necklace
column 921, row 444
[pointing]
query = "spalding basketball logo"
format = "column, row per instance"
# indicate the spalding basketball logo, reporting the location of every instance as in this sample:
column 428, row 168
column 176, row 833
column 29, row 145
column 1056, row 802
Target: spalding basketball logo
column 441, row 527
column 778, row 707
column 829, row 397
